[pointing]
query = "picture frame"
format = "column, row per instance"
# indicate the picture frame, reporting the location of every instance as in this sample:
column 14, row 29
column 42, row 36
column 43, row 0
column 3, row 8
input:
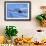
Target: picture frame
column 17, row 10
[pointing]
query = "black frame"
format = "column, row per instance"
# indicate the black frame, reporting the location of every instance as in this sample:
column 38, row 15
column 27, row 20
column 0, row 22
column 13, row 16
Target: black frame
column 17, row 2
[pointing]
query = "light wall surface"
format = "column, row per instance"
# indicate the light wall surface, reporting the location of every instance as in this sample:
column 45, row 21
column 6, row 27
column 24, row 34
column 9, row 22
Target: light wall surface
column 26, row 28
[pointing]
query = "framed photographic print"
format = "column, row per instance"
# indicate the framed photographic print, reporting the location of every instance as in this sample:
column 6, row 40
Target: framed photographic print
column 17, row 10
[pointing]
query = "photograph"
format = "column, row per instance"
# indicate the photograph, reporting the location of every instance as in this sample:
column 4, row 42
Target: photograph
column 20, row 10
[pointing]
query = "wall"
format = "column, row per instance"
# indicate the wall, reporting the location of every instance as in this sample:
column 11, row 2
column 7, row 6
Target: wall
column 27, row 28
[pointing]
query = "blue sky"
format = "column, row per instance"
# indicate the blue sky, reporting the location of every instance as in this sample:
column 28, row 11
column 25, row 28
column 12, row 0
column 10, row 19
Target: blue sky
column 23, row 7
